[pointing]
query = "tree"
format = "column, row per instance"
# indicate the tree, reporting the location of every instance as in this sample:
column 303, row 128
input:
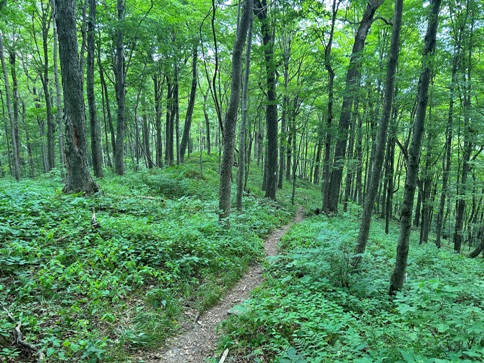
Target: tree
column 329, row 118
column 352, row 79
column 96, row 150
column 11, row 115
column 382, row 134
column 230, row 121
column 78, row 178
column 191, row 104
column 270, row 170
column 120, row 73
column 398, row 275
column 241, row 171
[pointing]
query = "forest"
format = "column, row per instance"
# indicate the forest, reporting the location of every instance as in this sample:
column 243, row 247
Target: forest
column 148, row 149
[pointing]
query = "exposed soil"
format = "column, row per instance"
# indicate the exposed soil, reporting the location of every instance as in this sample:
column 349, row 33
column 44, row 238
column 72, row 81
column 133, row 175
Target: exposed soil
column 199, row 338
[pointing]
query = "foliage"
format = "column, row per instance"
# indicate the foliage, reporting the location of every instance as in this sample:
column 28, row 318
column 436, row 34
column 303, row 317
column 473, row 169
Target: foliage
column 93, row 295
column 312, row 308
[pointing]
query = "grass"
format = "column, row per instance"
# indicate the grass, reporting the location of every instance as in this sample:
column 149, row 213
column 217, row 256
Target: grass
column 313, row 308
column 97, row 295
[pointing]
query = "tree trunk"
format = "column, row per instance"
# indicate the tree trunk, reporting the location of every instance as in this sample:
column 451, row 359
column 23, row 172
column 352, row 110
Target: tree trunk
column 157, row 86
column 330, row 116
column 447, row 160
column 96, row 148
column 58, row 97
column 286, row 43
column 427, row 186
column 176, row 112
column 352, row 79
column 350, row 171
column 207, row 123
column 146, row 137
column 191, row 105
column 169, row 121
column 13, row 125
column 29, row 144
column 260, row 11
column 469, row 135
column 398, row 275
column 231, row 115
column 15, row 103
column 120, row 84
column 41, row 123
column 78, row 178
column 390, row 175
column 382, row 135
column 44, row 76
column 5, row 123
column 243, row 127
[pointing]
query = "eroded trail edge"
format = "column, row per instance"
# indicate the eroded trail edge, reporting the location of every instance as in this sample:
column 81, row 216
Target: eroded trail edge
column 199, row 340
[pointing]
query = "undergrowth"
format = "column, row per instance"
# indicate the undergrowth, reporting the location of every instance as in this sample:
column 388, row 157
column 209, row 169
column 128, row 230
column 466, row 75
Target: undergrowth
column 313, row 308
column 97, row 294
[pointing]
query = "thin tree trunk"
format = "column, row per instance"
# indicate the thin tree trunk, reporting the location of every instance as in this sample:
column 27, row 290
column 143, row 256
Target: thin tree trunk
column 5, row 123
column 120, row 93
column 286, row 43
column 330, row 116
column 382, row 135
column 169, row 121
column 176, row 108
column 352, row 79
column 157, row 86
column 29, row 144
column 398, row 275
column 207, row 123
column 191, row 105
column 469, row 131
column 260, row 11
column 46, row 17
column 243, row 126
column 58, row 96
column 13, row 125
column 96, row 148
column 15, row 103
column 231, row 115
column 447, row 160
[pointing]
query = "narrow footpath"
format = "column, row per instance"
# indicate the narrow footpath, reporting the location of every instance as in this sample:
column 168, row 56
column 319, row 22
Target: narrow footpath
column 199, row 340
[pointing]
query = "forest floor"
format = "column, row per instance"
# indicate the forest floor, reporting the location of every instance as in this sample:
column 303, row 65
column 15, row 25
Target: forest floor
column 199, row 336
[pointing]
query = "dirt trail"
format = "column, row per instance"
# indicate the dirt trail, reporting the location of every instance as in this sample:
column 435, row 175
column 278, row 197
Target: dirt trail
column 199, row 339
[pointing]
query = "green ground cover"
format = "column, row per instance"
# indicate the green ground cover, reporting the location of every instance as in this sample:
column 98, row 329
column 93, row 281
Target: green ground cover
column 312, row 308
column 96, row 294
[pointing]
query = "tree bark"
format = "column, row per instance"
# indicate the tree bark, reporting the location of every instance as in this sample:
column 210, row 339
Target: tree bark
column 447, row 160
column 58, row 97
column 191, row 105
column 96, row 149
column 231, row 115
column 260, row 11
column 398, row 275
column 243, row 126
column 352, row 78
column 120, row 93
column 207, row 124
column 13, row 124
column 157, row 86
column 78, row 178
column 377, row 163
column 469, row 132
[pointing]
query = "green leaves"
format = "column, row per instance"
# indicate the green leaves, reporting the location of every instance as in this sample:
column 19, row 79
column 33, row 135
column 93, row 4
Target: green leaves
column 92, row 295
column 304, row 313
